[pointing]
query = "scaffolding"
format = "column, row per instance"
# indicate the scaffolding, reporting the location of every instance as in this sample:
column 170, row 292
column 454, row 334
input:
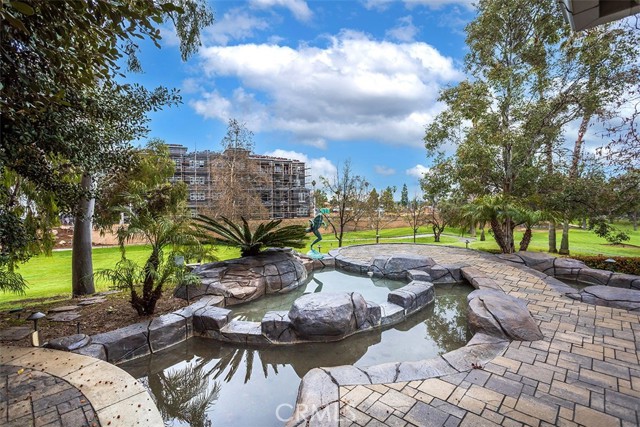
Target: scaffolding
column 278, row 183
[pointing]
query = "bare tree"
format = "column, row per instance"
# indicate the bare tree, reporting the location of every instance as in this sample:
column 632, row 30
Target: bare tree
column 416, row 215
column 349, row 192
column 236, row 179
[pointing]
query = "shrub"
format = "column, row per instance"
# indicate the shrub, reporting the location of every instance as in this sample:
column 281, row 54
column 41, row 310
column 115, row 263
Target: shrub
column 628, row 265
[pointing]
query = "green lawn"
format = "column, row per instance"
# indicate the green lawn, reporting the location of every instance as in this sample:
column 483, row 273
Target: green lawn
column 50, row 276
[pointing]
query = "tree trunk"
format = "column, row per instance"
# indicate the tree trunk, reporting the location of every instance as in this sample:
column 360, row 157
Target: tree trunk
column 584, row 224
column 564, row 243
column 436, row 234
column 81, row 256
column 635, row 220
column 526, row 239
column 499, row 236
column 553, row 248
column 472, row 230
column 482, row 235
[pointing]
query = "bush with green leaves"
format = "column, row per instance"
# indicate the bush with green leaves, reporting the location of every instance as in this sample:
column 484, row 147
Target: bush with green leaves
column 251, row 242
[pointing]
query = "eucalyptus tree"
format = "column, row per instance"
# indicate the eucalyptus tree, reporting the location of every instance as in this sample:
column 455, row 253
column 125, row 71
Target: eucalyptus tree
column 605, row 60
column 514, row 101
column 349, row 192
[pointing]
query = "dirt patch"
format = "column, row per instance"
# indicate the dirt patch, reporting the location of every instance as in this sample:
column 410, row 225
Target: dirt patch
column 115, row 312
column 64, row 238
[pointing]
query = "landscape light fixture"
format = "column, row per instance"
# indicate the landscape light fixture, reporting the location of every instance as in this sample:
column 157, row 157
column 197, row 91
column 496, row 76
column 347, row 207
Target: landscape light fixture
column 35, row 335
column 35, row 317
column 466, row 242
column 610, row 263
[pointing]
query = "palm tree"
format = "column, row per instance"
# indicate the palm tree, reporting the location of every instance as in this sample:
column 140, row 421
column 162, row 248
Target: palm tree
column 500, row 212
column 160, row 232
column 529, row 218
column 250, row 242
column 186, row 394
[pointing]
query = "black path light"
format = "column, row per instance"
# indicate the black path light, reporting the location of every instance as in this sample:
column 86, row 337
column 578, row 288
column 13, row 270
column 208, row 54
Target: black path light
column 35, row 336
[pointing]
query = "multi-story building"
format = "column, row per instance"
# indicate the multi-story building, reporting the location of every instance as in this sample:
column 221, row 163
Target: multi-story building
column 279, row 183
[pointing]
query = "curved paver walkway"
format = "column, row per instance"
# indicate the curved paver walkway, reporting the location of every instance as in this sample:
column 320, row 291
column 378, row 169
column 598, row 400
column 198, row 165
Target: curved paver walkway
column 584, row 372
column 43, row 387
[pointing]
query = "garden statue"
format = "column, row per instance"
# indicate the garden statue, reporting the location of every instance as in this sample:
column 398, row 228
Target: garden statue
column 314, row 227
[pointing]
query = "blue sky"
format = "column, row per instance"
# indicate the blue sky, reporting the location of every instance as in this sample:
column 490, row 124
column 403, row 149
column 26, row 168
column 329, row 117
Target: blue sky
column 321, row 81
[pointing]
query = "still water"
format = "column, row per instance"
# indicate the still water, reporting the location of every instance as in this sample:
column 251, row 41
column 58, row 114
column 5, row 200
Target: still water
column 206, row 383
column 372, row 289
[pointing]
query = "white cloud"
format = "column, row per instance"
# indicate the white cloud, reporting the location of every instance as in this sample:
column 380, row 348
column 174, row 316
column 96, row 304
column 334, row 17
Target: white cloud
column 317, row 167
column 417, row 171
column 384, row 170
column 405, row 31
column 298, row 8
column 356, row 88
column 236, row 24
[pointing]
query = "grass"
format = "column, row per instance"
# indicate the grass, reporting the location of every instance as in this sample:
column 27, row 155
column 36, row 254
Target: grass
column 50, row 276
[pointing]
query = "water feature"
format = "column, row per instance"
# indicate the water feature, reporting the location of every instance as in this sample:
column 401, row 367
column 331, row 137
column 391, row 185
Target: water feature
column 204, row 382
column 372, row 289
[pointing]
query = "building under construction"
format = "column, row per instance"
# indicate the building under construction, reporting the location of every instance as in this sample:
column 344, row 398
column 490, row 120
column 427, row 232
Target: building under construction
column 264, row 186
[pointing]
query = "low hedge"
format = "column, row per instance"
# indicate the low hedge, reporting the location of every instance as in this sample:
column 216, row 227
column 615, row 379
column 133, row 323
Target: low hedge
column 628, row 265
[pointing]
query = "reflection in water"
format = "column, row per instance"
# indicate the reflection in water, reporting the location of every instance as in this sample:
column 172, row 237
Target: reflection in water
column 183, row 394
column 258, row 386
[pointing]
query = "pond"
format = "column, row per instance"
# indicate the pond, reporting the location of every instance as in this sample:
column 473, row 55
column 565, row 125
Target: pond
column 203, row 382
column 372, row 289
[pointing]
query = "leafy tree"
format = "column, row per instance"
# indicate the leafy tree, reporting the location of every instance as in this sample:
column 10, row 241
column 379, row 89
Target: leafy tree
column 59, row 65
column 437, row 187
column 250, row 242
column 519, row 95
column 605, row 57
column 386, row 200
column 349, row 192
column 404, row 196
column 377, row 214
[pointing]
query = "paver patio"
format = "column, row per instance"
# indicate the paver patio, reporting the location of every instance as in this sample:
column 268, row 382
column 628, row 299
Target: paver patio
column 584, row 372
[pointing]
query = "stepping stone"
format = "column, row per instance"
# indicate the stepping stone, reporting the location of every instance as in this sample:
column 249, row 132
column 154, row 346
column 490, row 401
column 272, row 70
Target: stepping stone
column 67, row 316
column 115, row 291
column 64, row 308
column 90, row 301
column 15, row 333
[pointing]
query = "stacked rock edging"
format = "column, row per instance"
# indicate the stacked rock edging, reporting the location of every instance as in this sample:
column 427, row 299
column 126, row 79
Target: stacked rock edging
column 606, row 288
column 572, row 270
column 245, row 279
column 327, row 317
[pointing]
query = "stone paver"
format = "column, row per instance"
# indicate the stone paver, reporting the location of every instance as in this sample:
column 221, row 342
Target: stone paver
column 43, row 387
column 584, row 372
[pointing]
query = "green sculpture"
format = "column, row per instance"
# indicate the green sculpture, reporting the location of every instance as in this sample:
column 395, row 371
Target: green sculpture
column 314, row 227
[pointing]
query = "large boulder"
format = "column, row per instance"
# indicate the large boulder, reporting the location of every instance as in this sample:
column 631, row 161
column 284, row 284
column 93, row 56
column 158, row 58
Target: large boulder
column 495, row 313
column 413, row 296
column 628, row 299
column 328, row 316
column 245, row 279
column 395, row 267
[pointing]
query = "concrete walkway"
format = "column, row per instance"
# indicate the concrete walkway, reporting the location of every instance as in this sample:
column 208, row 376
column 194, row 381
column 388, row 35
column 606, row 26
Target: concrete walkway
column 42, row 387
column 584, row 372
